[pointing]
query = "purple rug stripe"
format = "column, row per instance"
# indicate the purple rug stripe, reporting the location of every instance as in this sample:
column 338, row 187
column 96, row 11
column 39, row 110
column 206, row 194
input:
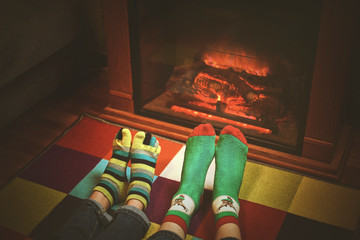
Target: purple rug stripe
column 199, row 216
column 60, row 168
column 160, row 198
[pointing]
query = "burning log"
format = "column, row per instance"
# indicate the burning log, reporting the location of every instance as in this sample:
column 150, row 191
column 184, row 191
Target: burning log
column 227, row 93
column 255, row 81
column 233, row 78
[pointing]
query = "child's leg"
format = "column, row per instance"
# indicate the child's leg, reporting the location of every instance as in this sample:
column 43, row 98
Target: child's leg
column 112, row 187
column 144, row 153
column 131, row 222
column 91, row 219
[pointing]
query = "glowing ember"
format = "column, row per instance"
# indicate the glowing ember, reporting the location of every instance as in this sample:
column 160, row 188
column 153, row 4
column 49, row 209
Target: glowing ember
column 215, row 93
column 227, row 85
column 220, row 119
column 239, row 113
column 212, row 87
column 203, row 104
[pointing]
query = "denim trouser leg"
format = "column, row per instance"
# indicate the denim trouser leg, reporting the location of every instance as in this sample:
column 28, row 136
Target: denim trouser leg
column 168, row 235
column 165, row 235
column 130, row 223
column 90, row 221
column 87, row 222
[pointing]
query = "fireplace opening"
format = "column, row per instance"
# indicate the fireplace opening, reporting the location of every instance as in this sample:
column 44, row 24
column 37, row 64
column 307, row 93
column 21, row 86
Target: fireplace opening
column 226, row 62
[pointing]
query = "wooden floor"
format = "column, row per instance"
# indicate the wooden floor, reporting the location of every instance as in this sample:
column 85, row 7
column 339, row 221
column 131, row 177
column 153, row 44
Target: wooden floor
column 28, row 135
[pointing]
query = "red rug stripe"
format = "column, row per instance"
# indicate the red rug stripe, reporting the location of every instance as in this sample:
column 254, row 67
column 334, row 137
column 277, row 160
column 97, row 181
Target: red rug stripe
column 168, row 151
column 90, row 136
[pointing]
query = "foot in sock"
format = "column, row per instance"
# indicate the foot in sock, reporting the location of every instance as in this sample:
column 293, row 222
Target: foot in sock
column 230, row 158
column 113, row 182
column 144, row 152
column 200, row 150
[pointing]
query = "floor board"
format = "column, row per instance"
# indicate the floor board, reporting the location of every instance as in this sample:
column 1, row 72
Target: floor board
column 32, row 132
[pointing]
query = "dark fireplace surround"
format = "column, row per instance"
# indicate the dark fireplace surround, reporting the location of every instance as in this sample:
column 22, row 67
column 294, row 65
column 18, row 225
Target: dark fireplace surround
column 323, row 145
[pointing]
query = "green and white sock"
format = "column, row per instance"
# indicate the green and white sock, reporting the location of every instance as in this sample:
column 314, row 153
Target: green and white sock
column 230, row 158
column 113, row 182
column 200, row 150
column 144, row 153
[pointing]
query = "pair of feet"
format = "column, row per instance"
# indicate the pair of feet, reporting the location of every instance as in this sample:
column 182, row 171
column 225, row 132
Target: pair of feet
column 143, row 151
column 230, row 158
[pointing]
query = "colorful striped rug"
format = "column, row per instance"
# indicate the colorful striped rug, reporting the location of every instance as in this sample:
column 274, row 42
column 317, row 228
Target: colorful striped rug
column 275, row 204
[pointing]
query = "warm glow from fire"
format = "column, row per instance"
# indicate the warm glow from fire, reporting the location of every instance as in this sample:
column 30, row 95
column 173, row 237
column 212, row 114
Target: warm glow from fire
column 215, row 93
column 209, row 93
column 204, row 104
column 240, row 114
column 220, row 119
column 213, row 88
column 237, row 62
column 256, row 88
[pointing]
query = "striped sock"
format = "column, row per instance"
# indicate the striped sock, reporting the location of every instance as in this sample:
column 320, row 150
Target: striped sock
column 113, row 182
column 230, row 159
column 199, row 152
column 144, row 153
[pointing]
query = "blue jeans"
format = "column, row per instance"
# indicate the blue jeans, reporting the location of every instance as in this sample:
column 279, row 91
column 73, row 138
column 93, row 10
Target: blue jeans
column 91, row 221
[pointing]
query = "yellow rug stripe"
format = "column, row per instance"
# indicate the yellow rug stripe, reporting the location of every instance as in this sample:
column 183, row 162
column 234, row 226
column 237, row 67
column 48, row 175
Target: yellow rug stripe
column 269, row 186
column 328, row 203
column 23, row 214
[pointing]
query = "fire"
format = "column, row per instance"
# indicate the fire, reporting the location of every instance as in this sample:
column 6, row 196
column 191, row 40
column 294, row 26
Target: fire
column 204, row 104
column 239, row 113
column 237, row 62
column 211, row 91
column 228, row 87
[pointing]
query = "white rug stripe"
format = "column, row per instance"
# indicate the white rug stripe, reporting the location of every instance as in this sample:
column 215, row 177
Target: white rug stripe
column 174, row 168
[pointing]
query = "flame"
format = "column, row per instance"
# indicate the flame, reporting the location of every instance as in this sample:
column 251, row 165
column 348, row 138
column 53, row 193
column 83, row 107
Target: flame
column 220, row 119
column 212, row 90
column 237, row 62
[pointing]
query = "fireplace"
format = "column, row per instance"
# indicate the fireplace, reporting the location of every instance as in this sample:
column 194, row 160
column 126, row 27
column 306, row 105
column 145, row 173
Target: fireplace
column 277, row 70
column 226, row 62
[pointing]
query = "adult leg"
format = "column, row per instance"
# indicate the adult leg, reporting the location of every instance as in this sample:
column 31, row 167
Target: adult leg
column 230, row 157
column 200, row 150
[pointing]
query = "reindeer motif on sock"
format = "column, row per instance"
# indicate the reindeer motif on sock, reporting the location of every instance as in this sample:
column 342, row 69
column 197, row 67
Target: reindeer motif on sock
column 179, row 201
column 227, row 202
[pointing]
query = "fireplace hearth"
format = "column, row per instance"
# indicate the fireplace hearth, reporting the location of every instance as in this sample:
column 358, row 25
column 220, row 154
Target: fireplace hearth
column 227, row 62
column 278, row 70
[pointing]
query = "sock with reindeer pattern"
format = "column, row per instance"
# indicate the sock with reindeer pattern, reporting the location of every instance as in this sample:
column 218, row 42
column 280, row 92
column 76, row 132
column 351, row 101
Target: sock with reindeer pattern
column 199, row 152
column 230, row 158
